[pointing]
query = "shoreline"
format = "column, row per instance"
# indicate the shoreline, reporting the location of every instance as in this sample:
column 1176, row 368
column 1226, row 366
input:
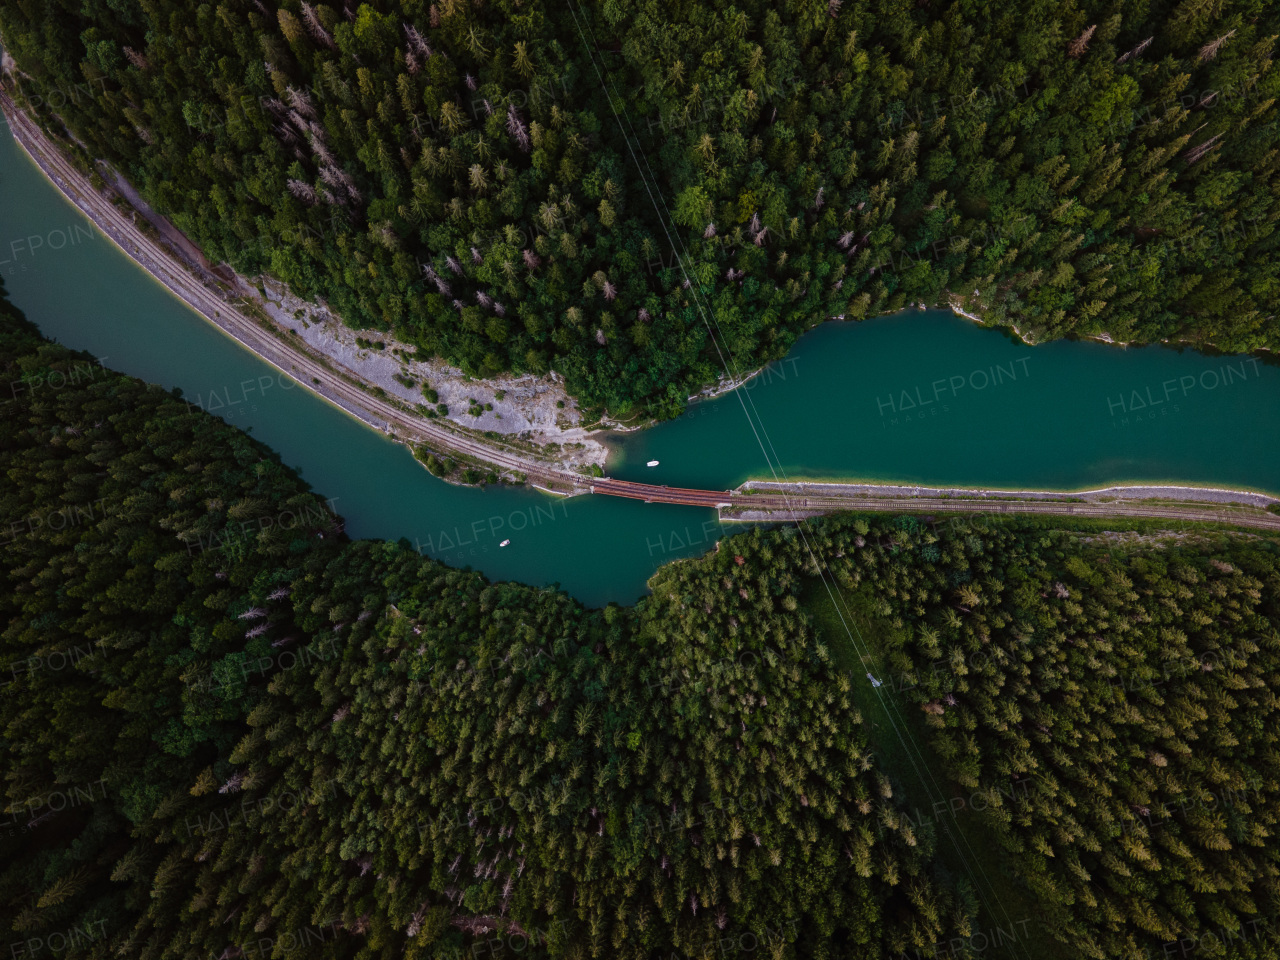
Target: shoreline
column 729, row 384
column 534, row 409
column 955, row 305
column 221, row 306
column 216, row 299
column 1111, row 493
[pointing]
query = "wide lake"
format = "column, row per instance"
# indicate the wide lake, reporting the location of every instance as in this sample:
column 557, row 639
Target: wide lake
column 918, row 398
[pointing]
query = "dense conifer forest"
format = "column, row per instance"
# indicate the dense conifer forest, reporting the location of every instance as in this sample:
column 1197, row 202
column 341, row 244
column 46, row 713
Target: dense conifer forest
column 229, row 731
column 645, row 195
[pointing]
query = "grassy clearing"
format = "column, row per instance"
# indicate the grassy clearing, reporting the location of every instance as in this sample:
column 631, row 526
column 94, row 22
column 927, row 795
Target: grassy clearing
column 967, row 847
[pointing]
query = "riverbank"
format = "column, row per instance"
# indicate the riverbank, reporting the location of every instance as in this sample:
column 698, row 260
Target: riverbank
column 783, row 508
column 240, row 311
column 226, row 303
column 1117, row 493
column 534, row 409
column 957, row 306
column 757, row 502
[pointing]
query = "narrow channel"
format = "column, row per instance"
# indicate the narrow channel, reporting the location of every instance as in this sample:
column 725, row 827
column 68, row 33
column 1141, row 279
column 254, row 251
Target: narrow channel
column 83, row 292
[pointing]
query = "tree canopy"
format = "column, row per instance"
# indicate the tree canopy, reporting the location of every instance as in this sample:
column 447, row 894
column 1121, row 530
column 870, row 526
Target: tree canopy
column 226, row 730
column 644, row 196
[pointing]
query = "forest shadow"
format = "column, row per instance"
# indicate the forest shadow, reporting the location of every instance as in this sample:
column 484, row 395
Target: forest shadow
column 966, row 846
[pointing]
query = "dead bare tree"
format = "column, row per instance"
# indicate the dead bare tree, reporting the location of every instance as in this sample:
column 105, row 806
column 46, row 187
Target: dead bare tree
column 1081, row 43
column 1210, row 49
column 1136, row 51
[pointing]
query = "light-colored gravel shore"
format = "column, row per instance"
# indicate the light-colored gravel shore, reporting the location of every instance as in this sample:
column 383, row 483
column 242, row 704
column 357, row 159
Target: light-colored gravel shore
column 217, row 297
column 318, row 350
column 533, row 408
column 537, row 410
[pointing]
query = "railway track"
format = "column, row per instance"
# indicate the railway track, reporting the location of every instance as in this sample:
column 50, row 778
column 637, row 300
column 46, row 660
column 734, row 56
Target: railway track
column 785, row 505
column 223, row 312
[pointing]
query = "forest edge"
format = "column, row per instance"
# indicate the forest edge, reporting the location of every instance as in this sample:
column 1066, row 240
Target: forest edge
column 752, row 502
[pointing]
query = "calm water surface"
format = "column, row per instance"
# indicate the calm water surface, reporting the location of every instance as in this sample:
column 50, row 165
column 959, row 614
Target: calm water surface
column 83, row 292
column 930, row 398
column 900, row 398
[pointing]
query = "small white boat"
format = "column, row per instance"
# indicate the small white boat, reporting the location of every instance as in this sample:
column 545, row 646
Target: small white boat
column 504, row 543
column 652, row 463
column 874, row 681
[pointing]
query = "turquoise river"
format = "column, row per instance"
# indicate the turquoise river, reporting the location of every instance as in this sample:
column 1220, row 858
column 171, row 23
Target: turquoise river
column 915, row 398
